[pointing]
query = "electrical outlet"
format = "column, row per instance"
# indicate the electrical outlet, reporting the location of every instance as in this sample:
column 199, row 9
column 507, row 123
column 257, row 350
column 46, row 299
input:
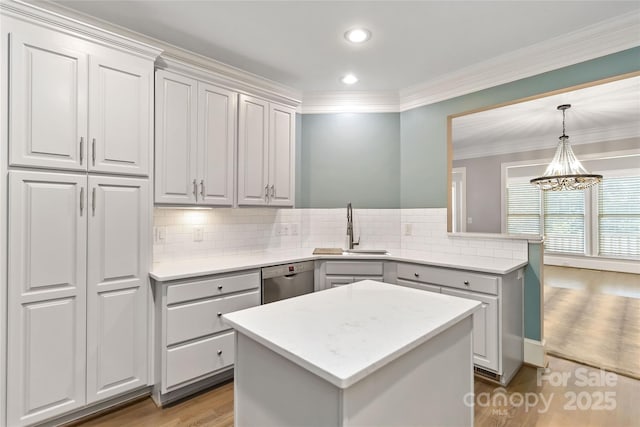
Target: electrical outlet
column 198, row 234
column 408, row 229
column 159, row 234
column 469, row 220
column 283, row 229
column 294, row 229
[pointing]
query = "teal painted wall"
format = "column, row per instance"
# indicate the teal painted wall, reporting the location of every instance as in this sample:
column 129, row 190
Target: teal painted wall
column 349, row 157
column 532, row 293
column 423, row 154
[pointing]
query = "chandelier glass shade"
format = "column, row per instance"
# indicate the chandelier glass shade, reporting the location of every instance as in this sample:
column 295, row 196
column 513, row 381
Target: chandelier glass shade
column 565, row 172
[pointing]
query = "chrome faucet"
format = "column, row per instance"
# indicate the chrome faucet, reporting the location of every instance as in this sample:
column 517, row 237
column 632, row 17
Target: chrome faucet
column 350, row 227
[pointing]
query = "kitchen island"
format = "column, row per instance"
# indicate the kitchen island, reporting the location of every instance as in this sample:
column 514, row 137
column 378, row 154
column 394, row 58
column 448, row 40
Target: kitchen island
column 367, row 353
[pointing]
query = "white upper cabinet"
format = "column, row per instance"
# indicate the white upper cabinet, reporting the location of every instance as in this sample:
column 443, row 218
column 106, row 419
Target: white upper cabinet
column 216, row 142
column 46, row 295
column 78, row 106
column 119, row 114
column 266, row 144
column 195, row 141
column 48, row 101
column 282, row 136
column 176, row 139
column 117, row 283
column 253, row 151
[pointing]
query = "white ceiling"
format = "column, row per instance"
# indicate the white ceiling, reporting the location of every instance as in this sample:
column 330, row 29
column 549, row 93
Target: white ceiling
column 300, row 43
column 604, row 112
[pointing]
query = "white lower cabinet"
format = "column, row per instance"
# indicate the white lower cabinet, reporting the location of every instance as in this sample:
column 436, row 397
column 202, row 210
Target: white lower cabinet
column 330, row 274
column 485, row 327
column 77, row 308
column 498, row 325
column 117, row 287
column 194, row 346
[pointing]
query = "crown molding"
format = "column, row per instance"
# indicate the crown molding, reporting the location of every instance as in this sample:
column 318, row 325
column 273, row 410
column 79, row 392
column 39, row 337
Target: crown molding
column 172, row 56
column 587, row 136
column 604, row 38
column 220, row 74
column 350, row 101
column 77, row 27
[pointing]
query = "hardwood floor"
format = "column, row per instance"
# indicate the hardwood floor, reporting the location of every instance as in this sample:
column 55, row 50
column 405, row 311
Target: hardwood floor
column 549, row 404
column 593, row 281
column 593, row 317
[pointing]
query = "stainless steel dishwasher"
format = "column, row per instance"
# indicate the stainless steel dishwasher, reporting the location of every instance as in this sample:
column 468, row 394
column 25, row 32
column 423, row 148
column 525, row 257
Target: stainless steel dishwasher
column 286, row 281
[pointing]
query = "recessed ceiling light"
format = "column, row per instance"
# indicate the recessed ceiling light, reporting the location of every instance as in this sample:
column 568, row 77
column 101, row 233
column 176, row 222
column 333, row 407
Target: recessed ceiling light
column 358, row 35
column 349, row 79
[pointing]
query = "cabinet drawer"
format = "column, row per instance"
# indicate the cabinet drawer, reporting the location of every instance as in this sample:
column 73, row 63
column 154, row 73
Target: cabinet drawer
column 212, row 287
column 197, row 319
column 197, row 359
column 452, row 278
column 353, row 268
column 418, row 285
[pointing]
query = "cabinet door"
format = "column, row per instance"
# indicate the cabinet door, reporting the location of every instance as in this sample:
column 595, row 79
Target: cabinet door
column 216, row 141
column 485, row 328
column 117, row 287
column 253, row 156
column 46, row 295
column 335, row 281
column 120, row 114
column 48, row 101
column 176, row 139
column 282, row 136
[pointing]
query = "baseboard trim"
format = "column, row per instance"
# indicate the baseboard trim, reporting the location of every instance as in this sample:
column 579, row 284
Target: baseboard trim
column 162, row 400
column 534, row 354
column 594, row 263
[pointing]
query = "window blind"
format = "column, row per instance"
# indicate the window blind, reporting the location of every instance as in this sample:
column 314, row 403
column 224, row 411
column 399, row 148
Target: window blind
column 523, row 208
column 564, row 221
column 619, row 216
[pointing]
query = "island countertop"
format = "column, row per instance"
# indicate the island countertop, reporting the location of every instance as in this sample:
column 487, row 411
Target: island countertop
column 345, row 333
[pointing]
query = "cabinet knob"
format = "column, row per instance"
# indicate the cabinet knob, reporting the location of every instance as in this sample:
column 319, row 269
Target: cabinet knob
column 416, row 274
column 219, row 287
column 466, row 282
column 219, row 352
column 219, row 314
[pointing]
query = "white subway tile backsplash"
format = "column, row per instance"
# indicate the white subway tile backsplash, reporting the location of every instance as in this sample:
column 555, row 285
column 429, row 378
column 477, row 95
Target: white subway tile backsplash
column 234, row 231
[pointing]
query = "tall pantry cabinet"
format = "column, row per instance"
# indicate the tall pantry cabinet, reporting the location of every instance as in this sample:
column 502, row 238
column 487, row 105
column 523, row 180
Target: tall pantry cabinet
column 78, row 125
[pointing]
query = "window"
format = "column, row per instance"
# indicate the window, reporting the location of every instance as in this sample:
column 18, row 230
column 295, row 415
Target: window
column 564, row 222
column 602, row 221
column 523, row 208
column 619, row 217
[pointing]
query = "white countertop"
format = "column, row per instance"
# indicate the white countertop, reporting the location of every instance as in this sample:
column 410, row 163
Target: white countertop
column 180, row 269
column 345, row 333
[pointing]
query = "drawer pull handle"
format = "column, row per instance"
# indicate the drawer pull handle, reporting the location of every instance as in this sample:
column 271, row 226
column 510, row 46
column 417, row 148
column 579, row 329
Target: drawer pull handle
column 416, row 274
column 219, row 314
column 219, row 352
column 466, row 282
column 219, row 287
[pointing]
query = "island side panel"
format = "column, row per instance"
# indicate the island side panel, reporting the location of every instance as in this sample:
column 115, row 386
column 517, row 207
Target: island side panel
column 426, row 386
column 272, row 391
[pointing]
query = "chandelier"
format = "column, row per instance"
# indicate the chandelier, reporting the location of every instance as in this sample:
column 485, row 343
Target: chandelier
column 565, row 172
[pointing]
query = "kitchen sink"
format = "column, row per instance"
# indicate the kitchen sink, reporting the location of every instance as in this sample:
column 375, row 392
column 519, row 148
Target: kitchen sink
column 365, row 252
